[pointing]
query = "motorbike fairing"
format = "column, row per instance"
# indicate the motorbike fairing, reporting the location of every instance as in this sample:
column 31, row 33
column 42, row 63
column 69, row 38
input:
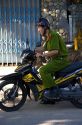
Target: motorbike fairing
column 23, row 68
column 69, row 69
column 13, row 76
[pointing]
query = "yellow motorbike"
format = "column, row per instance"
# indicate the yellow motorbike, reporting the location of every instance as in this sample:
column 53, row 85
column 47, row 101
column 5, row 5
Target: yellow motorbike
column 15, row 87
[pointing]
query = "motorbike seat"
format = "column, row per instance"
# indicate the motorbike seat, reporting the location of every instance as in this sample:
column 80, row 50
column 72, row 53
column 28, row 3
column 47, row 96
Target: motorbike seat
column 69, row 69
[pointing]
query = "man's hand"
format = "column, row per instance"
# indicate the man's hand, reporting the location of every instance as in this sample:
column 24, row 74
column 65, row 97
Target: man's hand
column 38, row 60
column 38, row 54
column 39, row 49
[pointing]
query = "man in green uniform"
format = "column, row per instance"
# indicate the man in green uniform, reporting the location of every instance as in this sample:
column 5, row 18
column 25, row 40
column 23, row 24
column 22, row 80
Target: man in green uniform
column 56, row 52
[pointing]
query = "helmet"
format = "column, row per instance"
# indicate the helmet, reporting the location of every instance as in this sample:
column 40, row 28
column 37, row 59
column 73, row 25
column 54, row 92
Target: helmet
column 43, row 22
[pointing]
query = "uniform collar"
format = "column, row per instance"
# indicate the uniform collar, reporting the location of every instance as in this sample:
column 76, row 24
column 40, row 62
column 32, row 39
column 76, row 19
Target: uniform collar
column 49, row 37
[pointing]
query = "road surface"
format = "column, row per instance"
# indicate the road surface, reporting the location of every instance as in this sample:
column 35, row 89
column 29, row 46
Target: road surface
column 34, row 113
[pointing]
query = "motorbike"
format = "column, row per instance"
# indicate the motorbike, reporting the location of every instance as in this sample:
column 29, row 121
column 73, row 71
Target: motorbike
column 26, row 82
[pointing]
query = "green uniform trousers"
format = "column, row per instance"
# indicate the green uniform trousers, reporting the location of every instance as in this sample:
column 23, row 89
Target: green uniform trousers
column 51, row 67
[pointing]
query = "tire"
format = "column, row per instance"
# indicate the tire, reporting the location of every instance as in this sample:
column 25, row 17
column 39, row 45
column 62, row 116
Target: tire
column 77, row 103
column 6, row 94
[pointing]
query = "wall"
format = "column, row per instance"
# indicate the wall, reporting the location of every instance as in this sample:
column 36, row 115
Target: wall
column 17, row 27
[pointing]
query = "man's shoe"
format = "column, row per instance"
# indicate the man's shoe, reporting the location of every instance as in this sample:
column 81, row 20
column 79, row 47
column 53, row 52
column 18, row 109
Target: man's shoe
column 51, row 93
column 47, row 101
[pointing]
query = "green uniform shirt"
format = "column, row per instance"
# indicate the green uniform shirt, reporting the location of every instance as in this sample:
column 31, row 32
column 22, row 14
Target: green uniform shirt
column 56, row 42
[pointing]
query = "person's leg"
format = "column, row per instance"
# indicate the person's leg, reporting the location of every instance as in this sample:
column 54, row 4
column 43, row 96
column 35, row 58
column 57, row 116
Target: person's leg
column 46, row 76
column 47, row 71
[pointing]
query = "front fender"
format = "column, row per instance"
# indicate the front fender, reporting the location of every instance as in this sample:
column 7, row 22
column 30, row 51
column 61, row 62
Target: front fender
column 13, row 76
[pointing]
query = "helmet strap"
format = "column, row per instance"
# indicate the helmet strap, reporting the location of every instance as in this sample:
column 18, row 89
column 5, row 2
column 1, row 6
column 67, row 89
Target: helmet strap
column 45, row 29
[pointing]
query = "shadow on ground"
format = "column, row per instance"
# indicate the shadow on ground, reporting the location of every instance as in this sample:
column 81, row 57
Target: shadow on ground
column 33, row 113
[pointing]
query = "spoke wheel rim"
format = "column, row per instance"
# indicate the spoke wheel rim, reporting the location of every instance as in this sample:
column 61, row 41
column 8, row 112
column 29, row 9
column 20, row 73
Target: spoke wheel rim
column 12, row 101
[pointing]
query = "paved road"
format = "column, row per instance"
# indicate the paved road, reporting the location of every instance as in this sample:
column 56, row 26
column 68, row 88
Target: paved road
column 33, row 113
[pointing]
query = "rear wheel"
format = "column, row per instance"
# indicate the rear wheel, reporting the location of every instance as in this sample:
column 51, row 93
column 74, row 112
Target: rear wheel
column 77, row 103
column 12, row 96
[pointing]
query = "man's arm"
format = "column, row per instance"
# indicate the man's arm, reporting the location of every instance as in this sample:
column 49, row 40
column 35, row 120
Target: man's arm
column 52, row 53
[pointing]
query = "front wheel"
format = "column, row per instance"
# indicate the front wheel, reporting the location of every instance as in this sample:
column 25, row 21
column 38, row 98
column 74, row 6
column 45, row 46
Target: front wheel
column 12, row 95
